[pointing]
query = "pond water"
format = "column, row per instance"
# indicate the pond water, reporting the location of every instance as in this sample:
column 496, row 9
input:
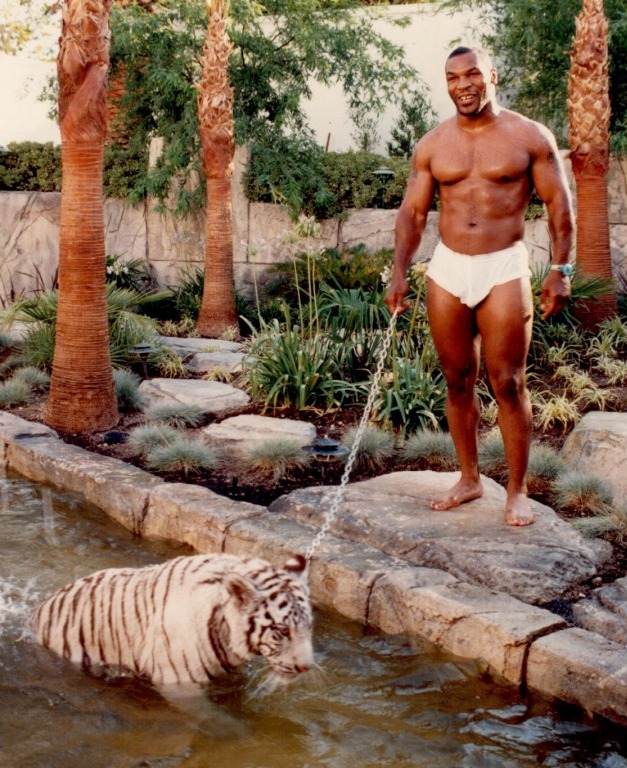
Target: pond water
column 379, row 701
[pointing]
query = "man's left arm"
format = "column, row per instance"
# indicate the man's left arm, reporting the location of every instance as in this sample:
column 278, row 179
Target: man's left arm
column 549, row 178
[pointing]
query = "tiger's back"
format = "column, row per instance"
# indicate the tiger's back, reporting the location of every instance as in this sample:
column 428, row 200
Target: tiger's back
column 186, row 620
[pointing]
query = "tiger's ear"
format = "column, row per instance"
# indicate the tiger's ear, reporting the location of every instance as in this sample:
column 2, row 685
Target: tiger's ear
column 298, row 566
column 241, row 589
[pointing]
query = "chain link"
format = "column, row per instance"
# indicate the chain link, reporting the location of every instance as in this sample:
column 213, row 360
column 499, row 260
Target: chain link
column 339, row 491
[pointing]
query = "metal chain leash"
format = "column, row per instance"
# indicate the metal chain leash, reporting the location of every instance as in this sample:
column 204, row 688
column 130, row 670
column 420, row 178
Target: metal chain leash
column 339, row 491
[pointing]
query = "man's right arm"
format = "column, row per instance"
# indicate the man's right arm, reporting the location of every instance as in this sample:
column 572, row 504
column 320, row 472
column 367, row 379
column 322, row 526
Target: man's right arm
column 410, row 224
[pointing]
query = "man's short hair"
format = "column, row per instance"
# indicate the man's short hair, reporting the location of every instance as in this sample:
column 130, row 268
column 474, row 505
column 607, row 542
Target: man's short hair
column 481, row 54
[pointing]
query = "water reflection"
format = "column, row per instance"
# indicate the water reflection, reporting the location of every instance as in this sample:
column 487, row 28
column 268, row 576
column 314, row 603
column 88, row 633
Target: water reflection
column 382, row 701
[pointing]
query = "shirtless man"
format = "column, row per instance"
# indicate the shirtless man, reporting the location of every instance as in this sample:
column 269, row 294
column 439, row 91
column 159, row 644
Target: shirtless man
column 485, row 161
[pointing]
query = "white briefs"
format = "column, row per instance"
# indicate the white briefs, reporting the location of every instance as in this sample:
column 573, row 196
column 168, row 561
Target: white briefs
column 471, row 278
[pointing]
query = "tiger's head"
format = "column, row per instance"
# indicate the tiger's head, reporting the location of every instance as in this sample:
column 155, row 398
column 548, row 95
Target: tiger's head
column 278, row 614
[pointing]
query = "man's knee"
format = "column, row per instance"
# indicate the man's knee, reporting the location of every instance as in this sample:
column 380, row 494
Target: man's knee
column 509, row 386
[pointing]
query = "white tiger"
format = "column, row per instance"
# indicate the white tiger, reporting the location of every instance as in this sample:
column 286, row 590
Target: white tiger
column 185, row 621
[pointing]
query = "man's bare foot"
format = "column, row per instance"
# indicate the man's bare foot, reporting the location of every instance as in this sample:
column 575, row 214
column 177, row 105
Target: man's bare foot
column 517, row 510
column 461, row 492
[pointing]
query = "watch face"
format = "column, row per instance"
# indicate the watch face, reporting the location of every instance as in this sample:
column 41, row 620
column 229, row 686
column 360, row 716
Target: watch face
column 566, row 269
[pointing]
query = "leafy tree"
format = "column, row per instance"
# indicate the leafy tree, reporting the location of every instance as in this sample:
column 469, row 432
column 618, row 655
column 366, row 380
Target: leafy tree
column 530, row 40
column 277, row 49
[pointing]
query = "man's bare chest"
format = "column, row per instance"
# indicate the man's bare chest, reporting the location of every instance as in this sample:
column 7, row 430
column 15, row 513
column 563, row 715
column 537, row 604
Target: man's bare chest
column 494, row 161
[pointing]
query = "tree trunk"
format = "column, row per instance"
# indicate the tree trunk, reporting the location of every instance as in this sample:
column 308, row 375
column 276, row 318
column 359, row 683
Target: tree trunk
column 217, row 134
column 589, row 116
column 82, row 393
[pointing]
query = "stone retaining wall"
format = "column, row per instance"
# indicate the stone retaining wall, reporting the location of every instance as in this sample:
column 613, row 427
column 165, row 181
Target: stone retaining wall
column 29, row 236
column 520, row 644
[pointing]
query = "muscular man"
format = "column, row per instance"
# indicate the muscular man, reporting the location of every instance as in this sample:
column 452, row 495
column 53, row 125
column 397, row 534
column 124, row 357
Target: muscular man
column 485, row 162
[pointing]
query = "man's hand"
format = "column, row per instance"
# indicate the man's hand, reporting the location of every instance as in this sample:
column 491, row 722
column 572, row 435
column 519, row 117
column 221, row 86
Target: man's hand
column 395, row 296
column 555, row 293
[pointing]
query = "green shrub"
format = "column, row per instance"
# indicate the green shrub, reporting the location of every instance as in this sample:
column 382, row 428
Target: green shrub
column 276, row 458
column 127, row 391
column 146, row 438
column 375, row 447
column 435, row 446
column 178, row 416
column 15, row 392
column 29, row 166
column 186, row 456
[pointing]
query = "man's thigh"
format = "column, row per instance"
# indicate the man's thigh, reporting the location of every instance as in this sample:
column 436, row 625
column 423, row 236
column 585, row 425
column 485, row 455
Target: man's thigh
column 453, row 329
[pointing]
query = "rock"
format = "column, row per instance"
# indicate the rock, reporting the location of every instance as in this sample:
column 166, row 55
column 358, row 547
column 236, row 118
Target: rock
column 605, row 612
column 536, row 563
column 249, row 427
column 204, row 362
column 213, row 396
column 598, row 446
column 191, row 346
column 582, row 668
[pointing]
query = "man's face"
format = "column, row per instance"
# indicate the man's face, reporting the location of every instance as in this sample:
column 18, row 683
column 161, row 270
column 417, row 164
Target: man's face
column 471, row 83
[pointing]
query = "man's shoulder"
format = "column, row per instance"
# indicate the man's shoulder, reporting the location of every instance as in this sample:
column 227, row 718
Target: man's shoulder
column 435, row 135
column 525, row 125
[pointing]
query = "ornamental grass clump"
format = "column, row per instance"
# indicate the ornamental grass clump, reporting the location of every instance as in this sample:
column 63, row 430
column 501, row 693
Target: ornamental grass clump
column 179, row 416
column 375, row 447
column 436, row 447
column 187, row 456
column 579, row 495
column 146, row 438
column 15, row 392
column 275, row 458
column 34, row 377
column 127, row 391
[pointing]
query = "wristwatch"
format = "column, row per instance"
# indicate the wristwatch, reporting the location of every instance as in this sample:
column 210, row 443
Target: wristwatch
column 566, row 269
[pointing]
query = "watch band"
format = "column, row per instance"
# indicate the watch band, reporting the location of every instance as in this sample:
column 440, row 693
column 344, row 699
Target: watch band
column 566, row 269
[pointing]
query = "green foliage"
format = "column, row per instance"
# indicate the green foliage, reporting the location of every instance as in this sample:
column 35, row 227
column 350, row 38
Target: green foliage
column 411, row 398
column 131, row 274
column 186, row 456
column 15, row 392
column 529, row 39
column 416, row 118
column 581, row 494
column 178, row 416
column 34, row 377
column 434, row 445
column 31, row 166
column 188, row 294
column 127, row 392
column 278, row 48
column 146, row 438
column 375, row 448
column 127, row 327
column 276, row 458
column 289, row 368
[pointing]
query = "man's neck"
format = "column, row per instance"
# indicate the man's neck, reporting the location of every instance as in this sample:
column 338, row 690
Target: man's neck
column 480, row 120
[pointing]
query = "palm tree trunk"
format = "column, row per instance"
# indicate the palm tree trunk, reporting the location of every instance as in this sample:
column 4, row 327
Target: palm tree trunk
column 589, row 117
column 82, row 393
column 217, row 134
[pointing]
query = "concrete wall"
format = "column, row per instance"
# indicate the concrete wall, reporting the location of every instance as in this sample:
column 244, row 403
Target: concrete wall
column 29, row 236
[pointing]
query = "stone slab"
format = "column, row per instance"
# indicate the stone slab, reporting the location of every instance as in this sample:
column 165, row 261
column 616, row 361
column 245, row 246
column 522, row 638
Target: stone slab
column 250, row 427
column 189, row 345
column 212, row 396
column 469, row 621
column 605, row 612
column 534, row 563
column 598, row 446
column 205, row 362
column 582, row 668
column 119, row 488
column 193, row 515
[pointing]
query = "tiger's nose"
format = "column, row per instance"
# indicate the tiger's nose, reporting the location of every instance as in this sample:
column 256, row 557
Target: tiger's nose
column 303, row 667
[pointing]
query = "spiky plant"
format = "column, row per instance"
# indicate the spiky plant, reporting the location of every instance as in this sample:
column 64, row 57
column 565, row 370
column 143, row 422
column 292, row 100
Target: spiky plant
column 435, row 446
column 146, row 438
column 178, row 416
column 555, row 411
column 545, row 464
column 581, row 495
column 276, row 458
column 15, row 392
column 186, row 456
column 375, row 447
column 492, row 460
column 127, row 391
column 34, row 377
